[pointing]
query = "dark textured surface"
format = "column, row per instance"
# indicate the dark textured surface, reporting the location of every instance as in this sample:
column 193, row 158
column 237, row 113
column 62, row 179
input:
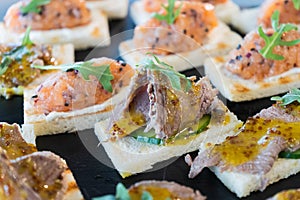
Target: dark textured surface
column 96, row 179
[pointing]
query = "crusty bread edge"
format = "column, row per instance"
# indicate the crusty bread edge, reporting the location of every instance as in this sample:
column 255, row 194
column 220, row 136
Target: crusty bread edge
column 73, row 192
column 225, row 12
column 96, row 33
column 143, row 156
column 116, row 9
column 244, row 184
column 237, row 89
column 217, row 44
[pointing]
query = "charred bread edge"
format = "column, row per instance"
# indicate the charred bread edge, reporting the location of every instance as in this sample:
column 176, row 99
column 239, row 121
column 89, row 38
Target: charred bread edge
column 225, row 12
column 60, row 122
column 143, row 156
column 243, row 184
column 217, row 45
column 237, row 89
column 96, row 33
column 114, row 9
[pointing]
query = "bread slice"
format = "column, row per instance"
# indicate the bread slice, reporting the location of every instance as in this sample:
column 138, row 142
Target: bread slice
column 114, row 9
column 245, row 20
column 63, row 54
column 96, row 33
column 140, row 157
column 243, row 184
column 61, row 122
column 225, row 12
column 237, row 89
column 217, row 44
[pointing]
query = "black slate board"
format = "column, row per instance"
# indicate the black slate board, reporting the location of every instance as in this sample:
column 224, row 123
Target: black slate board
column 95, row 178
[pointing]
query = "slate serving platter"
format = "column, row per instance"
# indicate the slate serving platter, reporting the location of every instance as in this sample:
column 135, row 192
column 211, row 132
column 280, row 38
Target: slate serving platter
column 95, row 178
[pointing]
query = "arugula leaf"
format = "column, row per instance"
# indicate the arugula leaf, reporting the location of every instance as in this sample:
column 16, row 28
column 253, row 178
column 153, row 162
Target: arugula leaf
column 293, row 95
column 34, row 6
column 275, row 39
column 146, row 196
column 26, row 39
column 296, row 4
column 102, row 72
column 173, row 76
column 172, row 13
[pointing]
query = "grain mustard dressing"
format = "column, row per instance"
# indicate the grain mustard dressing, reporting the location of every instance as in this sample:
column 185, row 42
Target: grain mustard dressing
column 288, row 194
column 20, row 72
column 255, row 136
column 11, row 141
column 45, row 191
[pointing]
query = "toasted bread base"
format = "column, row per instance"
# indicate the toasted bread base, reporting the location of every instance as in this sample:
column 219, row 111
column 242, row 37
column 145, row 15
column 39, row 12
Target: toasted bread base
column 96, row 33
column 217, row 44
column 73, row 192
column 225, row 12
column 116, row 9
column 36, row 124
column 142, row 156
column 243, row 184
column 237, row 89
column 245, row 20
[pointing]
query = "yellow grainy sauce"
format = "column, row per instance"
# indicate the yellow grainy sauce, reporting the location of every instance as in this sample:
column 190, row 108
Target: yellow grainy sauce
column 255, row 136
column 289, row 194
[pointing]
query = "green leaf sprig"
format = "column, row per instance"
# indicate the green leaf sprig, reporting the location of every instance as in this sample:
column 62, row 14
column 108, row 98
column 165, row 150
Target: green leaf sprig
column 292, row 96
column 169, row 71
column 102, row 72
column 296, row 4
column 17, row 53
column 123, row 194
column 275, row 39
column 171, row 12
column 34, row 6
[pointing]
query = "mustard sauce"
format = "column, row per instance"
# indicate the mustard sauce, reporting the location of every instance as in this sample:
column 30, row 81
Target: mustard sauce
column 15, row 147
column 254, row 137
column 157, row 193
column 20, row 72
column 45, row 191
column 289, row 194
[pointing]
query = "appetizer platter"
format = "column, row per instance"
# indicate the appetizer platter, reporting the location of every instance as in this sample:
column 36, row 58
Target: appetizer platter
column 148, row 114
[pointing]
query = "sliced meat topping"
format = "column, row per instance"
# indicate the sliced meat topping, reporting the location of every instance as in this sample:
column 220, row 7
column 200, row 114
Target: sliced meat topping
column 246, row 61
column 256, row 147
column 188, row 32
column 55, row 15
column 12, row 141
column 164, row 190
column 66, row 91
column 288, row 12
column 168, row 110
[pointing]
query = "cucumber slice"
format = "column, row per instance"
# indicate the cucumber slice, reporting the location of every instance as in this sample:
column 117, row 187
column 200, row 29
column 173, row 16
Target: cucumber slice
column 140, row 132
column 150, row 140
column 203, row 123
column 290, row 155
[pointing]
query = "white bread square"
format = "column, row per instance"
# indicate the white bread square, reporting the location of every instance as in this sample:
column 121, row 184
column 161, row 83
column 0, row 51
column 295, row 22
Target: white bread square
column 116, row 9
column 237, row 89
column 217, row 44
column 96, row 33
column 245, row 20
column 243, row 184
column 142, row 156
column 225, row 12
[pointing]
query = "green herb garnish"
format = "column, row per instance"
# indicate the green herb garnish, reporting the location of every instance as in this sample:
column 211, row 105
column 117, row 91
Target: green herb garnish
column 275, row 39
column 123, row 194
column 34, row 6
column 17, row 53
column 296, row 4
column 172, row 13
column 174, row 77
column 102, row 72
column 292, row 96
